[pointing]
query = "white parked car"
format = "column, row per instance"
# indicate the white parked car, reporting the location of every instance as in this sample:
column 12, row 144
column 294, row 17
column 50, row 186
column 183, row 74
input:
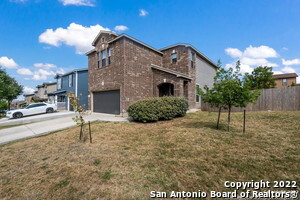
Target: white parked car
column 32, row 109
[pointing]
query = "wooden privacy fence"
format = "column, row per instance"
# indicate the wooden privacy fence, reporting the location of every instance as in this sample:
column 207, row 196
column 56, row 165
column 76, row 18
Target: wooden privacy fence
column 275, row 99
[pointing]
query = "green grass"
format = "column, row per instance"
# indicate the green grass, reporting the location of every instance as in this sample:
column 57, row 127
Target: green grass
column 128, row 160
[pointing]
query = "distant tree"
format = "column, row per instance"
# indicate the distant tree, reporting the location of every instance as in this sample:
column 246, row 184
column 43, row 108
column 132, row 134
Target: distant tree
column 9, row 87
column 260, row 78
column 3, row 105
column 229, row 90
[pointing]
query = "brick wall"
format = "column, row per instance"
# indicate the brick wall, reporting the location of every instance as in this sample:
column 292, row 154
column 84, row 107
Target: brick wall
column 288, row 80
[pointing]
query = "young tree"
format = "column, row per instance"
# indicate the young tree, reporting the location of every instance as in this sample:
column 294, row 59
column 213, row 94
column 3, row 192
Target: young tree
column 260, row 78
column 80, row 110
column 9, row 87
column 229, row 90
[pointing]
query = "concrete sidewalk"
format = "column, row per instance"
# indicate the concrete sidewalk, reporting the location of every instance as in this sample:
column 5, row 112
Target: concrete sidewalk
column 35, row 118
column 44, row 127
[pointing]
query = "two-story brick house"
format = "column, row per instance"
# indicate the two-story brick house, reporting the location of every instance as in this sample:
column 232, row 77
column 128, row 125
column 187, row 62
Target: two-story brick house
column 123, row 70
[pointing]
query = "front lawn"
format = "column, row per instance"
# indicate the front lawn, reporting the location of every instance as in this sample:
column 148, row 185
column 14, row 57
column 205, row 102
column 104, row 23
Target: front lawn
column 128, row 160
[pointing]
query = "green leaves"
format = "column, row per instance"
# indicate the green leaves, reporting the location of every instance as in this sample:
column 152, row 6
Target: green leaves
column 79, row 109
column 230, row 89
column 9, row 87
column 160, row 108
column 260, row 78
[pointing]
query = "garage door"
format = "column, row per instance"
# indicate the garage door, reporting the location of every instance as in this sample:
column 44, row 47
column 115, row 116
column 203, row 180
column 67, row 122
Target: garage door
column 107, row 102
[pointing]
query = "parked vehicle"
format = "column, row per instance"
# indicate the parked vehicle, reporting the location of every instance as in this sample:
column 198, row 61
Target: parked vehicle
column 32, row 109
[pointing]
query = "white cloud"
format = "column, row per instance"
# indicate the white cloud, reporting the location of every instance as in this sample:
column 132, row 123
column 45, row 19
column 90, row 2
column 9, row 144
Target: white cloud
column 284, row 49
column 288, row 70
column 45, row 65
column 260, row 52
column 252, row 57
column 121, row 28
column 234, row 52
column 277, row 72
column 291, row 62
column 28, row 90
column 74, row 35
column 257, row 62
column 143, row 12
column 60, row 71
column 77, row 2
column 44, row 72
column 8, row 63
column 24, row 71
column 38, row 77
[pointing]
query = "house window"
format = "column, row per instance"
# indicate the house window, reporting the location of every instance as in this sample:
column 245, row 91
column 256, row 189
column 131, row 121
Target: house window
column 103, row 58
column 192, row 59
column 70, row 80
column 59, row 83
column 109, row 56
column 197, row 93
column 98, row 59
column 174, row 57
column 284, row 82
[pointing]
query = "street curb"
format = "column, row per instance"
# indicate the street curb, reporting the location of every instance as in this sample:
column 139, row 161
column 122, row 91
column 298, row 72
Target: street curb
column 27, row 121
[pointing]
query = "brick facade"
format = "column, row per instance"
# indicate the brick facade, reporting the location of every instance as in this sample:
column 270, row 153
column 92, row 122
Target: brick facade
column 289, row 82
column 132, row 73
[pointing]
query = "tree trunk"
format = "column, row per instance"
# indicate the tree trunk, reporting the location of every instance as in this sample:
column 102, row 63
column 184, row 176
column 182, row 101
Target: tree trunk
column 229, row 110
column 8, row 105
column 81, row 132
column 244, row 127
column 91, row 141
column 219, row 118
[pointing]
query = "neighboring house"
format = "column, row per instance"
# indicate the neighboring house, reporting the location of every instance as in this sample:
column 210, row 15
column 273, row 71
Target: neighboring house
column 285, row 80
column 29, row 98
column 123, row 70
column 76, row 82
column 43, row 90
column 16, row 104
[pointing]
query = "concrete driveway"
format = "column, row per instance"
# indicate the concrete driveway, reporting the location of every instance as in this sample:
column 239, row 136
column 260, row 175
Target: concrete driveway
column 35, row 118
column 40, row 128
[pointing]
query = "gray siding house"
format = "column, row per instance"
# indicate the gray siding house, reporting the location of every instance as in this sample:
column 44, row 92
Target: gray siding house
column 76, row 82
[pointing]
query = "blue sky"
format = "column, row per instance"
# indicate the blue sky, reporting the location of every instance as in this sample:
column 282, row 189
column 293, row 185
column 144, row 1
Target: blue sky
column 39, row 38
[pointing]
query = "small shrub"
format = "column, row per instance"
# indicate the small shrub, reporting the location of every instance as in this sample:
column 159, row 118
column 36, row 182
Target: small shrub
column 160, row 108
column 107, row 175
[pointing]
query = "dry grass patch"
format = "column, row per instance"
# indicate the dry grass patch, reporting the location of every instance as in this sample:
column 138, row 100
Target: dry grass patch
column 128, row 160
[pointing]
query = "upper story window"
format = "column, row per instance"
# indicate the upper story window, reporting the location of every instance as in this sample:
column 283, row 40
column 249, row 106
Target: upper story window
column 59, row 82
column 192, row 59
column 70, row 80
column 103, row 58
column 99, row 60
column 174, row 57
column 284, row 82
column 109, row 56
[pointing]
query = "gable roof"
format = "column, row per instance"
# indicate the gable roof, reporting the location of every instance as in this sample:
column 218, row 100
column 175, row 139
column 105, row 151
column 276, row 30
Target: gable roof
column 137, row 41
column 73, row 71
column 289, row 75
column 170, row 71
column 99, row 34
column 148, row 46
column 192, row 47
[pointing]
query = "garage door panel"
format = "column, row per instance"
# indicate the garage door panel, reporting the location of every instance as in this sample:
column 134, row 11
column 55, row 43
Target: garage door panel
column 107, row 102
